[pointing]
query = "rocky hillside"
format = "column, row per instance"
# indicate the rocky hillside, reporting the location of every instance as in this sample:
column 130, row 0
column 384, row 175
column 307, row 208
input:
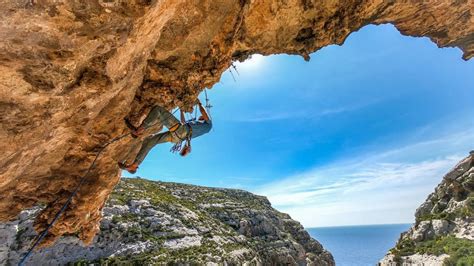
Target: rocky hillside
column 71, row 71
column 147, row 222
column 444, row 230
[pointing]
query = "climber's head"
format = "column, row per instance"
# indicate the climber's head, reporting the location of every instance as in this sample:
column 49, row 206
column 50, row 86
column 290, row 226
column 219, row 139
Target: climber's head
column 185, row 151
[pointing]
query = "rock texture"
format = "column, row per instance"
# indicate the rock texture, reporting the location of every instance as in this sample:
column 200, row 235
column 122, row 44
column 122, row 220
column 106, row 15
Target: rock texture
column 444, row 228
column 71, row 71
column 148, row 222
column 414, row 260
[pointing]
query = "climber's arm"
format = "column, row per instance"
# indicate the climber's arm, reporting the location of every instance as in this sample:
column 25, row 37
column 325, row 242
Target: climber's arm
column 204, row 114
column 181, row 116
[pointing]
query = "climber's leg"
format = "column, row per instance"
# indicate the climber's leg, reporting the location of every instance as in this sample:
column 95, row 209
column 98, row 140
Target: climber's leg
column 149, row 143
column 160, row 115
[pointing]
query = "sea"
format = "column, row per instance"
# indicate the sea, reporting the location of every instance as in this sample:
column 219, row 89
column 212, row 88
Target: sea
column 360, row 245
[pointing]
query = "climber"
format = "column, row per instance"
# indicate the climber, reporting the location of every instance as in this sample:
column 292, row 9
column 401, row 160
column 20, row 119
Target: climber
column 178, row 132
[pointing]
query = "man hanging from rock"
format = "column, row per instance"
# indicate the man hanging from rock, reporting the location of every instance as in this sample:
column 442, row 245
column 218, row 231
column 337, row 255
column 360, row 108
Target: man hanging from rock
column 178, row 133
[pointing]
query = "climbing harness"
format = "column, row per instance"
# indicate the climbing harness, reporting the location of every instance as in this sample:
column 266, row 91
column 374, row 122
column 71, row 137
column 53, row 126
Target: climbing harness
column 178, row 146
column 43, row 233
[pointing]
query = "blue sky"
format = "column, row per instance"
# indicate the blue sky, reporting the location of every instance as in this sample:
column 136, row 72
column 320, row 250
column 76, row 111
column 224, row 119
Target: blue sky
column 361, row 134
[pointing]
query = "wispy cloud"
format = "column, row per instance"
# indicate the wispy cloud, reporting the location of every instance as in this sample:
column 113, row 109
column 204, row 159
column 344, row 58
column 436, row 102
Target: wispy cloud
column 265, row 116
column 393, row 181
column 237, row 182
column 319, row 186
column 314, row 113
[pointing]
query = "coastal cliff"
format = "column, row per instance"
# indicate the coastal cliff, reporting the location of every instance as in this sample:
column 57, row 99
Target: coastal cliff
column 72, row 71
column 443, row 233
column 148, row 222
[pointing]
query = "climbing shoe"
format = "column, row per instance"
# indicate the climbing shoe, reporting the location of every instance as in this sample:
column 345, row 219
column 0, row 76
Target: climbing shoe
column 129, row 125
column 132, row 169
column 138, row 132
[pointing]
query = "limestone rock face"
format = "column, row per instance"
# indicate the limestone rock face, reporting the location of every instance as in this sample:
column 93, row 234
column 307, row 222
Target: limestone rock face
column 146, row 222
column 71, row 71
column 445, row 221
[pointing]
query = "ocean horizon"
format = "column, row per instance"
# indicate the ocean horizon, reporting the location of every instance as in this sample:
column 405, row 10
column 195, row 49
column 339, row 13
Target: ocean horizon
column 358, row 245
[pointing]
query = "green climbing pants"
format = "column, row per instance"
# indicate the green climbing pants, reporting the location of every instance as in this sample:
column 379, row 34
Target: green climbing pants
column 160, row 115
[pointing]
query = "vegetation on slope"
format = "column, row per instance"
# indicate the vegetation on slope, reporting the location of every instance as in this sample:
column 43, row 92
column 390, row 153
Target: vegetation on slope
column 460, row 251
column 465, row 211
column 170, row 223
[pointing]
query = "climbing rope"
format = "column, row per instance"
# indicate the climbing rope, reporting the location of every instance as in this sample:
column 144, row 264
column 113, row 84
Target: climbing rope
column 43, row 233
column 208, row 104
column 66, row 204
column 195, row 112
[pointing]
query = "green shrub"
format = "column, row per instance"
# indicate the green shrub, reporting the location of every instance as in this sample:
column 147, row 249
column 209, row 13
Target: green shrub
column 466, row 211
column 460, row 250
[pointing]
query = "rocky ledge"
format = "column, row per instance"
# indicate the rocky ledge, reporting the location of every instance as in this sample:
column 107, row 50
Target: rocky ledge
column 148, row 222
column 443, row 233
